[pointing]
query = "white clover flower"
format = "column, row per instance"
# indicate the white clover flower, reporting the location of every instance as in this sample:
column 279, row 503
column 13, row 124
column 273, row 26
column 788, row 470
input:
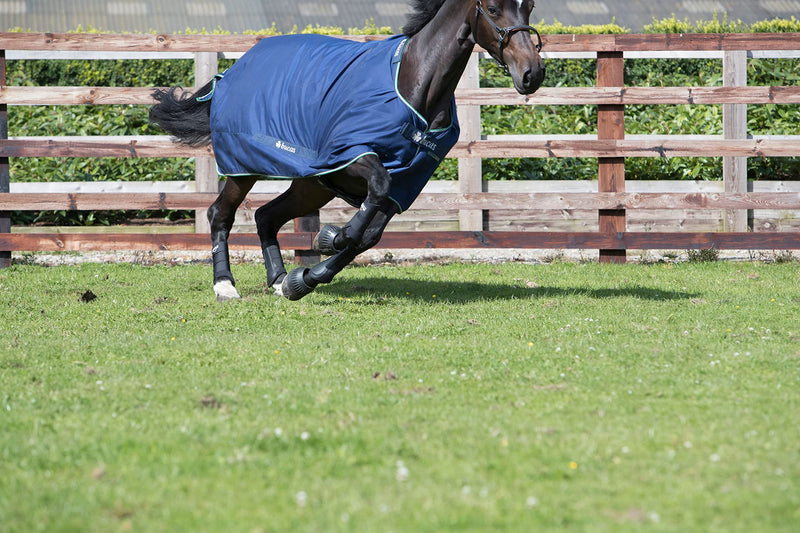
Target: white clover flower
column 402, row 471
column 301, row 498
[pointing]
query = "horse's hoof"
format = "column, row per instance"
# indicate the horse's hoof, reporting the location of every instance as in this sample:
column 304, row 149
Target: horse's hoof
column 323, row 241
column 294, row 286
column 277, row 287
column 225, row 291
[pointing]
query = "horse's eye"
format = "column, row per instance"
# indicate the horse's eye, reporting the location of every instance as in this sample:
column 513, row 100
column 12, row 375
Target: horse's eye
column 493, row 11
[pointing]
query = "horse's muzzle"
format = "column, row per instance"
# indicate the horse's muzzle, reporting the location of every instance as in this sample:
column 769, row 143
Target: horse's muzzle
column 531, row 80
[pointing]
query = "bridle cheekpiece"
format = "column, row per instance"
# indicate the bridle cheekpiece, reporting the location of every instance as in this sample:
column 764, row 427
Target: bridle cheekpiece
column 504, row 33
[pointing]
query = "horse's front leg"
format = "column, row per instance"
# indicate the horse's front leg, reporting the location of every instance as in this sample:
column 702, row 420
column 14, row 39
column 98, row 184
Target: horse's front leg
column 302, row 281
column 332, row 239
column 221, row 215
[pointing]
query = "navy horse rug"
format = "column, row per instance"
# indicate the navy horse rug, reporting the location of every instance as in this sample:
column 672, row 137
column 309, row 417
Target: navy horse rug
column 307, row 105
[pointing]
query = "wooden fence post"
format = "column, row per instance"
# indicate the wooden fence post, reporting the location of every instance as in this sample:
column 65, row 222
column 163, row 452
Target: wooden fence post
column 470, row 174
column 205, row 171
column 611, row 170
column 5, row 167
column 734, row 126
column 308, row 223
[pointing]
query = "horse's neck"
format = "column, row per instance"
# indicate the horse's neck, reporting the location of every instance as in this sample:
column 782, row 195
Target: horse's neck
column 433, row 63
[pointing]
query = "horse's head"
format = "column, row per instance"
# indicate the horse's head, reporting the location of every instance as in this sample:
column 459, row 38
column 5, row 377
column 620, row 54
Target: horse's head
column 501, row 27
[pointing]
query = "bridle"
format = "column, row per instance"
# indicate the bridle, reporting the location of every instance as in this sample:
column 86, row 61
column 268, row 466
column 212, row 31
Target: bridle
column 504, row 34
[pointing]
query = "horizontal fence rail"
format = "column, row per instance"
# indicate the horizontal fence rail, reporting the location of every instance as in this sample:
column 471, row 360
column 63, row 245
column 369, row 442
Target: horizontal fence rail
column 484, row 96
column 82, row 242
column 157, row 146
column 478, row 208
column 511, row 200
column 161, row 43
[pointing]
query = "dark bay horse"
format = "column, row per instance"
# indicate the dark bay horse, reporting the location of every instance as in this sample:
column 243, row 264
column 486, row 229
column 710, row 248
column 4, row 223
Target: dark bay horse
column 367, row 122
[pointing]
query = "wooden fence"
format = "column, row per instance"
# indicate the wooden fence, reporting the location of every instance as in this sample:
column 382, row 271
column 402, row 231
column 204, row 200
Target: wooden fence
column 470, row 213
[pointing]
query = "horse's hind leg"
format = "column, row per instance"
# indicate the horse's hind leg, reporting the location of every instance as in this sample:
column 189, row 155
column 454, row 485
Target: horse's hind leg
column 302, row 281
column 304, row 196
column 221, row 215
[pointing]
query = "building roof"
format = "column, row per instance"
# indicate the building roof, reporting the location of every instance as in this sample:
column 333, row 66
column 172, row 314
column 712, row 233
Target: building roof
column 241, row 15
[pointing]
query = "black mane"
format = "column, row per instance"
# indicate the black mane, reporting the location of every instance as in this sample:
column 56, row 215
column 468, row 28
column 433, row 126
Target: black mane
column 422, row 11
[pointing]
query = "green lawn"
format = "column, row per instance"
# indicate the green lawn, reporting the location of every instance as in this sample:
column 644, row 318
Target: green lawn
column 512, row 397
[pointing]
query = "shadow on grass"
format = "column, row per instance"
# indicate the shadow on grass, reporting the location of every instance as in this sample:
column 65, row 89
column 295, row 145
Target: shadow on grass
column 463, row 292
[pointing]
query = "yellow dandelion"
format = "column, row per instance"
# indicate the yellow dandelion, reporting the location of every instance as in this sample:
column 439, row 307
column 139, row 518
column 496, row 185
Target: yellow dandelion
column 573, row 465
column 172, row 339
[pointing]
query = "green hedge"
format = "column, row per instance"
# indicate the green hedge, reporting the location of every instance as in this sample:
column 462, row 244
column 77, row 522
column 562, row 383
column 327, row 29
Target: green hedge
column 132, row 120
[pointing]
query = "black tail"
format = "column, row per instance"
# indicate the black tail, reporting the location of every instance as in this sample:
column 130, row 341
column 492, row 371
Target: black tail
column 182, row 115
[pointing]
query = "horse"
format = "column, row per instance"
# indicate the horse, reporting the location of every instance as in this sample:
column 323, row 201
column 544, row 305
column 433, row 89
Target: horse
column 365, row 122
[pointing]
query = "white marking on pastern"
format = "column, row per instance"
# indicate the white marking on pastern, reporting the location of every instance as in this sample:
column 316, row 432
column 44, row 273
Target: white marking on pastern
column 278, row 288
column 225, row 291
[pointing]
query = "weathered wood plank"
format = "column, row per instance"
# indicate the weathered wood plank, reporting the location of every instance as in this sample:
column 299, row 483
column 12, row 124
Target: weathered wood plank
column 127, row 42
column 82, row 242
column 105, row 201
column 12, row 95
column 734, row 126
column 101, row 146
column 241, row 43
column 631, row 96
column 627, row 148
column 637, row 221
column 141, row 42
column 76, row 95
column 428, row 240
column 162, row 146
column 470, row 173
column 709, row 41
column 432, row 187
column 591, row 240
column 764, row 220
column 431, row 201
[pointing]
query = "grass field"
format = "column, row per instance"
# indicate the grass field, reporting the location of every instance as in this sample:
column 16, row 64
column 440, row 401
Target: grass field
column 511, row 397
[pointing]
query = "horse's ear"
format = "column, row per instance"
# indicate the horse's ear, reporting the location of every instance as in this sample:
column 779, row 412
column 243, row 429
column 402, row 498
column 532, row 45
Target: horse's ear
column 465, row 34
